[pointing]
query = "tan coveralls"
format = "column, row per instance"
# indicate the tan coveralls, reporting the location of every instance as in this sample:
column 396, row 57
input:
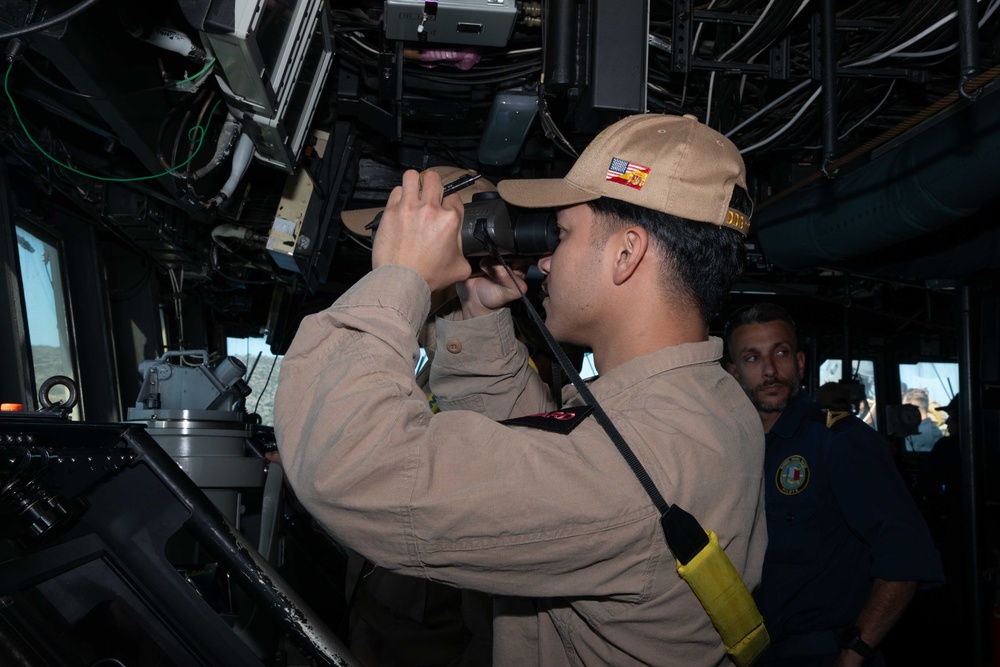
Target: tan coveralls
column 555, row 525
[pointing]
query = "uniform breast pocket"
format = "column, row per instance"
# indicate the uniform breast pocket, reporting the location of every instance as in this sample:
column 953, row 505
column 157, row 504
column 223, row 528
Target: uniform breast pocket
column 793, row 533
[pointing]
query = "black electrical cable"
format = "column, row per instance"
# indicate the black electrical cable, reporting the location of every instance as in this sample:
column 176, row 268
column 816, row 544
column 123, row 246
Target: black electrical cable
column 512, row 74
column 58, row 87
column 215, row 266
column 768, row 29
column 136, row 93
column 354, row 28
column 911, row 21
column 49, row 22
column 193, row 145
column 514, row 80
column 161, row 132
column 775, row 118
column 472, row 139
column 126, row 293
column 482, row 69
column 181, row 132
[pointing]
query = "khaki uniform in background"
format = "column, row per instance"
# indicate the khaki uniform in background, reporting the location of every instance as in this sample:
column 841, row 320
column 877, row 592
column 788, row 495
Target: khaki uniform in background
column 555, row 525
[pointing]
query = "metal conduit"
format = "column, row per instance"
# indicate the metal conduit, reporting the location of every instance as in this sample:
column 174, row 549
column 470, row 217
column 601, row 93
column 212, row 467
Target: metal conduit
column 861, row 151
column 944, row 175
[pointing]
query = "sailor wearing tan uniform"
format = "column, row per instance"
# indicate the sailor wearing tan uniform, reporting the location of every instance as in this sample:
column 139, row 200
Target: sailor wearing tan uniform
column 551, row 521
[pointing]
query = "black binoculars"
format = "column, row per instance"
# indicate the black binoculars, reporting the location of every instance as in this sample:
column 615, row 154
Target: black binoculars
column 517, row 232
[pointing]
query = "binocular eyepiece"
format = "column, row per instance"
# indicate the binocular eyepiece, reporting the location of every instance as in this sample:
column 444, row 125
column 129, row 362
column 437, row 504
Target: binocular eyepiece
column 523, row 233
column 517, row 232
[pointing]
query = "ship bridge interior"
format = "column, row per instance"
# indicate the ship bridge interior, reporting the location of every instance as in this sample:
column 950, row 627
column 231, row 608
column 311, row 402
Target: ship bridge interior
column 189, row 163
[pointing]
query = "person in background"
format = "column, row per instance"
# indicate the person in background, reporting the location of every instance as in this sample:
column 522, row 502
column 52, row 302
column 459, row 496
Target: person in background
column 928, row 433
column 847, row 546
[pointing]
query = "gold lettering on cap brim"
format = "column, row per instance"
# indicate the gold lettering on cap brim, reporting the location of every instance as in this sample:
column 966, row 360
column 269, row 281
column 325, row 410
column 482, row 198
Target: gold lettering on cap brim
column 737, row 221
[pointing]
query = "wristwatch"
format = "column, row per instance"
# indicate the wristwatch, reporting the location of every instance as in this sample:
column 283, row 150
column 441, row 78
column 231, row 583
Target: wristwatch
column 850, row 638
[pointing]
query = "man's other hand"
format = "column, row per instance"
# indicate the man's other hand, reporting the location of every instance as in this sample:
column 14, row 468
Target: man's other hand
column 482, row 295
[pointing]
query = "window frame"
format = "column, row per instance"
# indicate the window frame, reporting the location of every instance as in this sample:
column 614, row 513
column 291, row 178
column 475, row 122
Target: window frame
column 62, row 300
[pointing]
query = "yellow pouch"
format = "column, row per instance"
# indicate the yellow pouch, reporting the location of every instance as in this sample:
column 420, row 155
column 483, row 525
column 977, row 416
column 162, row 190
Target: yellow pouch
column 727, row 601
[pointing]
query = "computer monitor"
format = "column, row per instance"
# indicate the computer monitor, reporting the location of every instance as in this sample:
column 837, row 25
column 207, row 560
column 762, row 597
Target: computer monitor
column 274, row 57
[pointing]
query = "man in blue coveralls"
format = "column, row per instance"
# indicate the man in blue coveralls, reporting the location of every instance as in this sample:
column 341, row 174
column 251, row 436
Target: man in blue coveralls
column 847, row 545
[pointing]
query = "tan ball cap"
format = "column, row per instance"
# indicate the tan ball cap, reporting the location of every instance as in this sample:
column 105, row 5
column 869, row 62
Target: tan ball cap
column 356, row 219
column 672, row 164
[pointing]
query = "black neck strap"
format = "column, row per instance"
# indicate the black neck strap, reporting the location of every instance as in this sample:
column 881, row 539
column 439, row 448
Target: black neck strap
column 602, row 418
column 683, row 533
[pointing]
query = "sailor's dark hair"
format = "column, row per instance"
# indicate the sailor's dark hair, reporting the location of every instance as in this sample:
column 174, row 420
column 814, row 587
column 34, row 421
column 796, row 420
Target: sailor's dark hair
column 707, row 259
column 758, row 313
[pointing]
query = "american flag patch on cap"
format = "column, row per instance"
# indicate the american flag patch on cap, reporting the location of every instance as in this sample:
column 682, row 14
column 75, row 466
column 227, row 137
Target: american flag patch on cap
column 627, row 173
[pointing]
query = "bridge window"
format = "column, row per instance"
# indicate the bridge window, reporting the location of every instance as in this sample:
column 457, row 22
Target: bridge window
column 262, row 374
column 44, row 293
column 940, row 381
column 863, row 372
